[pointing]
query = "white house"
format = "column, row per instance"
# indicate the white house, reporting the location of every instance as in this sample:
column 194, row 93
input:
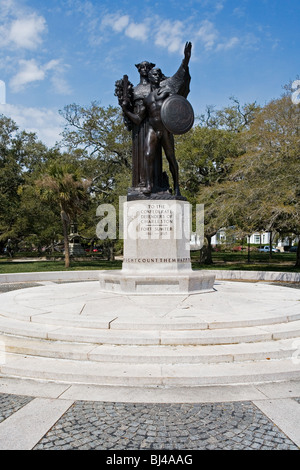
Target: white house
column 228, row 235
column 261, row 238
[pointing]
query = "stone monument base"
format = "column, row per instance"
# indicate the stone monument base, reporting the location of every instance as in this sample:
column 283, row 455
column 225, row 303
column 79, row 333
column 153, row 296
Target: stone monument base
column 76, row 249
column 156, row 252
column 192, row 282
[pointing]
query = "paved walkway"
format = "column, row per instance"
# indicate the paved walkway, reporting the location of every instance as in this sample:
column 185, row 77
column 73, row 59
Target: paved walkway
column 54, row 424
column 37, row 421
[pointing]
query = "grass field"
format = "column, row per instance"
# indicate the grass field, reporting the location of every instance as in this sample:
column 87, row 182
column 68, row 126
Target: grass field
column 231, row 261
column 258, row 261
column 7, row 267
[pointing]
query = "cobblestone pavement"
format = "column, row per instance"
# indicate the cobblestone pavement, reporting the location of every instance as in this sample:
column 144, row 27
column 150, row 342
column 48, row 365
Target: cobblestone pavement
column 293, row 285
column 15, row 286
column 135, row 426
column 124, row 426
column 9, row 404
column 120, row 426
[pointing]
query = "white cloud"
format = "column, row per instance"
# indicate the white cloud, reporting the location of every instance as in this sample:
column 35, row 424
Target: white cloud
column 211, row 38
column 137, row 31
column 171, row 35
column 229, row 44
column 27, row 32
column 46, row 123
column 30, row 71
column 117, row 22
column 239, row 12
column 58, row 81
column 20, row 30
column 219, row 6
column 53, row 64
column 208, row 34
column 7, row 7
column 122, row 23
column 60, row 85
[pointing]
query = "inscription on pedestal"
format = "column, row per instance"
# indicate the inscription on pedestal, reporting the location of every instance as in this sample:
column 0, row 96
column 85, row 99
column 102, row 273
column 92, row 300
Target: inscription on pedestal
column 156, row 218
column 157, row 260
column 154, row 221
column 158, row 236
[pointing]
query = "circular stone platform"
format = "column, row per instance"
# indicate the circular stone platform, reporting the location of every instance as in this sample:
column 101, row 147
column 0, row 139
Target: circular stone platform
column 241, row 333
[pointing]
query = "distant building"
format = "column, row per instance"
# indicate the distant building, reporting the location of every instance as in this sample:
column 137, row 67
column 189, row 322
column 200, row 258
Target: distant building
column 2, row 92
column 259, row 238
column 228, row 236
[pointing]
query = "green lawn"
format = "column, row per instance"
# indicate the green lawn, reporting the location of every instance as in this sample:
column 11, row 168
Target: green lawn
column 230, row 261
column 258, row 261
column 7, row 267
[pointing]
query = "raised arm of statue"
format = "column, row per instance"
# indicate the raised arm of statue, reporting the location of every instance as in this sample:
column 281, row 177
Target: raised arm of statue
column 187, row 54
column 179, row 83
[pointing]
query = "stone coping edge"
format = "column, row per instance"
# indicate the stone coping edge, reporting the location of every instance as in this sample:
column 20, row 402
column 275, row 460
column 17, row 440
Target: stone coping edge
column 93, row 275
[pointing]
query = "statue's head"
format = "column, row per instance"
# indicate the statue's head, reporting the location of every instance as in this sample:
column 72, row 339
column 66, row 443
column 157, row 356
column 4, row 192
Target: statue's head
column 144, row 68
column 155, row 76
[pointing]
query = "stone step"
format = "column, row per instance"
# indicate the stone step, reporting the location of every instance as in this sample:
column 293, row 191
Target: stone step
column 151, row 337
column 159, row 354
column 92, row 373
column 150, row 322
column 195, row 354
column 241, row 321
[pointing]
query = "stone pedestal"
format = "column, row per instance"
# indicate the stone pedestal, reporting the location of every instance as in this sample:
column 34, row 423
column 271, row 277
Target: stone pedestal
column 76, row 249
column 156, row 252
column 75, row 246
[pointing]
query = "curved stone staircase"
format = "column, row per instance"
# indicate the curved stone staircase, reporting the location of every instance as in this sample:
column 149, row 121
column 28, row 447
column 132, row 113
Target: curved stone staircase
column 242, row 333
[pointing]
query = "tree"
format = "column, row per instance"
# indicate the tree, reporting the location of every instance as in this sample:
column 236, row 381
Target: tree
column 98, row 140
column 38, row 222
column 64, row 185
column 235, row 118
column 20, row 155
column 206, row 156
column 270, row 168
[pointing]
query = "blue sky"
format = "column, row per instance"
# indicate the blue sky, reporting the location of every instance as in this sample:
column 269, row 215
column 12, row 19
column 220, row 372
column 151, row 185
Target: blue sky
column 59, row 52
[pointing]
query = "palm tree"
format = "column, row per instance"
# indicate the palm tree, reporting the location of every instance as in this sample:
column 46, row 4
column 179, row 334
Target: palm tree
column 63, row 184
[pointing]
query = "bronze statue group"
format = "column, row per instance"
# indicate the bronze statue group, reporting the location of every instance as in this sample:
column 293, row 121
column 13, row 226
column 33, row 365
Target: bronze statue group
column 154, row 111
